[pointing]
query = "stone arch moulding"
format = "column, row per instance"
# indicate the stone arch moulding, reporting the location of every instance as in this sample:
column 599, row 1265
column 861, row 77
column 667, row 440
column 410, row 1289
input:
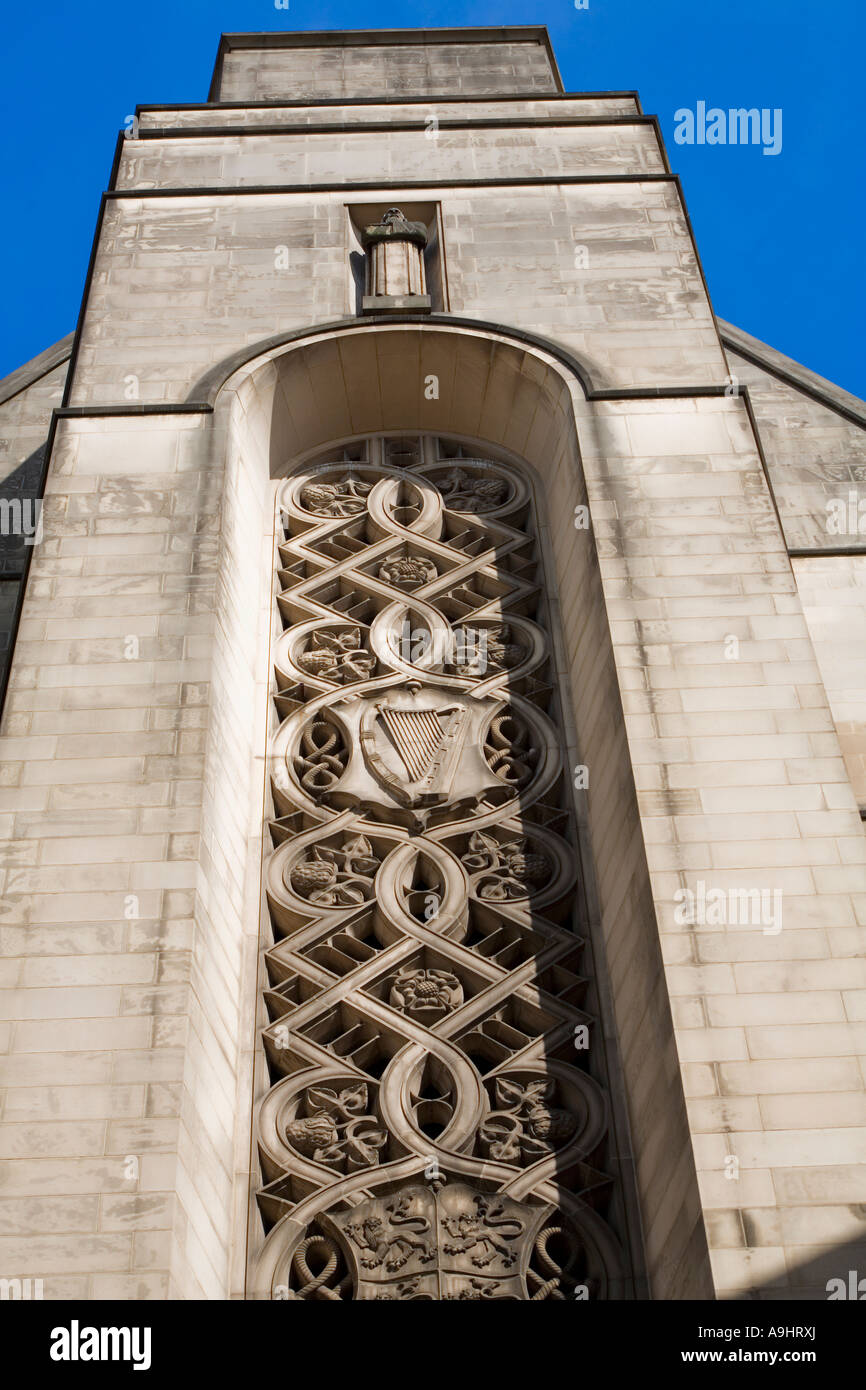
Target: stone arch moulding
column 275, row 414
column 207, row 388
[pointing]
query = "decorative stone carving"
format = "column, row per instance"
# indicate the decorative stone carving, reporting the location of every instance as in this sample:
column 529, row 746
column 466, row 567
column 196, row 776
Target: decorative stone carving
column 322, row 756
column 478, row 651
column 331, row 1281
column 510, row 750
column 500, row 872
column 407, row 748
column 446, row 1243
column 426, row 996
column 407, row 571
column 439, row 1242
column 346, row 497
column 558, row 1268
column 337, row 656
column 525, row 1126
column 427, row 793
column 395, row 265
column 472, row 492
column 335, row 1128
column 336, row 877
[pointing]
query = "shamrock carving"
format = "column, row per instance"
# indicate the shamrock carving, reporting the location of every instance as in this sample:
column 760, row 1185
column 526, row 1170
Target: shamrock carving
column 490, row 647
column 465, row 492
column 503, row 871
column 337, row 656
column 525, row 1126
column 347, row 497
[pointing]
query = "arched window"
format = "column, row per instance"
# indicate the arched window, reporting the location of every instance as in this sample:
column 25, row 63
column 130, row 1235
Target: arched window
column 436, row 1122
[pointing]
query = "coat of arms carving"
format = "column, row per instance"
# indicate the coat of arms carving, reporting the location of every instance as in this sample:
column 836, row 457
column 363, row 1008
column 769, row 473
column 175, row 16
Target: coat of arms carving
column 414, row 747
column 439, row 1242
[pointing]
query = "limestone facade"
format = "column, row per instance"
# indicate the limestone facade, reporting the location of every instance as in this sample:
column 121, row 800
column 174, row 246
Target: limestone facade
column 703, row 621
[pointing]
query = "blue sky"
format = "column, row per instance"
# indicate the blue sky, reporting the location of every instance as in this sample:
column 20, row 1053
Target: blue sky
column 780, row 236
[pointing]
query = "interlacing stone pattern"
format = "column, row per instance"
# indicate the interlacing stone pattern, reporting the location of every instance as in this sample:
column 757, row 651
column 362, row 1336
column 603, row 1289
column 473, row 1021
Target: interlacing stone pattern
column 435, row 1124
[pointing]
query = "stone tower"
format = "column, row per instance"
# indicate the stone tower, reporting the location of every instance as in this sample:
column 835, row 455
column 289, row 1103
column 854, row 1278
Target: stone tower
column 434, row 735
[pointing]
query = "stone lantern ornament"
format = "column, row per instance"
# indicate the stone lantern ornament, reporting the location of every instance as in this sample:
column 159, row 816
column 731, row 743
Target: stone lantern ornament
column 395, row 265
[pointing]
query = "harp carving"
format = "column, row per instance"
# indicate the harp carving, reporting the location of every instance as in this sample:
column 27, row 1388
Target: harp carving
column 412, row 744
column 422, row 735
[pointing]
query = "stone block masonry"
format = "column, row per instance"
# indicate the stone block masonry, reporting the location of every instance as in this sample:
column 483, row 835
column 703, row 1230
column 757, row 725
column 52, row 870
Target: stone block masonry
column 717, row 688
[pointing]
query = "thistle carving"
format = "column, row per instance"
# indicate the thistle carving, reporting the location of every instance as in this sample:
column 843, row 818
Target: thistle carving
column 336, row 877
column 336, row 1128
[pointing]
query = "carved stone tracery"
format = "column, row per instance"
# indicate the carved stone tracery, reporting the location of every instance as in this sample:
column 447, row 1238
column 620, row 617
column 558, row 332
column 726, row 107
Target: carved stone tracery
column 431, row 1130
column 337, row 656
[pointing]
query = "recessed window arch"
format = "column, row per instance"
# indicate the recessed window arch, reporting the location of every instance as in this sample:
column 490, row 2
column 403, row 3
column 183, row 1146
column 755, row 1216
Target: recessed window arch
column 435, row 1119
